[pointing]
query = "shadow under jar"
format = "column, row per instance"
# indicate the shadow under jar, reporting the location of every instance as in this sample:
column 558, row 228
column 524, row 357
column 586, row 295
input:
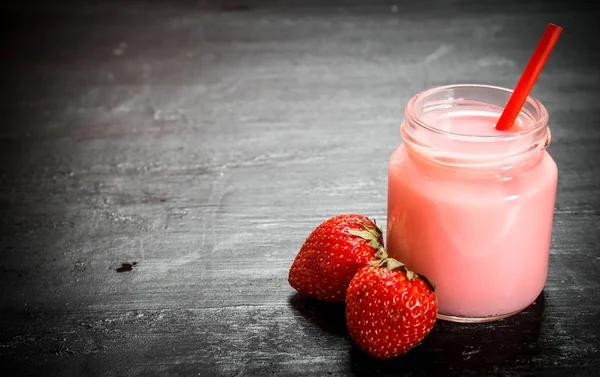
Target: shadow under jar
column 471, row 207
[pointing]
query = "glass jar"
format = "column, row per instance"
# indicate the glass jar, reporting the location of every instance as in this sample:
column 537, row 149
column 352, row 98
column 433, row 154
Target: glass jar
column 471, row 207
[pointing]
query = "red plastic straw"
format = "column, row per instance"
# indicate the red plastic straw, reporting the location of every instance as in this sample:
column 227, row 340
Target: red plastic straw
column 528, row 78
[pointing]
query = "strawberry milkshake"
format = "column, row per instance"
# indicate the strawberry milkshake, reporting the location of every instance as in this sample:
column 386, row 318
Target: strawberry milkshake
column 471, row 207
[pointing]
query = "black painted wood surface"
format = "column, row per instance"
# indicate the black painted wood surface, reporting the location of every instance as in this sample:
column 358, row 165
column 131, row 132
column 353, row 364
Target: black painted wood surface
column 162, row 162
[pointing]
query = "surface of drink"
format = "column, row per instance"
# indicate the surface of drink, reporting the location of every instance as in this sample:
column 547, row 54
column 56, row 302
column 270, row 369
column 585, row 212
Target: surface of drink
column 474, row 217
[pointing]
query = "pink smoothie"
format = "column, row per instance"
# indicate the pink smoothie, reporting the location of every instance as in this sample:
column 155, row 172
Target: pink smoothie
column 481, row 234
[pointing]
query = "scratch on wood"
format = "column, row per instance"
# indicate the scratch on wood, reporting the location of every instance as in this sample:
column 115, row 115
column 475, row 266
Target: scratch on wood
column 439, row 53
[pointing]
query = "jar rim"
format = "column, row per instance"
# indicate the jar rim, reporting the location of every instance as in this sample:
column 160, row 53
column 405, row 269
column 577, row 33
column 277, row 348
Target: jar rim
column 540, row 120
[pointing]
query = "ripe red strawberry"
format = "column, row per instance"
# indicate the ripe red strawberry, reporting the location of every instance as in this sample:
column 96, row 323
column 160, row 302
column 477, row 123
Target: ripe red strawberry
column 389, row 309
column 332, row 254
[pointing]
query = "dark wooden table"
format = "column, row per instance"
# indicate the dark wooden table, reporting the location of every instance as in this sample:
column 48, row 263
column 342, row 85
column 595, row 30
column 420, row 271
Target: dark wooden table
column 162, row 162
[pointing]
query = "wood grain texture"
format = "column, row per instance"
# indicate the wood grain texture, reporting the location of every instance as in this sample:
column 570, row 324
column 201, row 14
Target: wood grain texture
column 204, row 141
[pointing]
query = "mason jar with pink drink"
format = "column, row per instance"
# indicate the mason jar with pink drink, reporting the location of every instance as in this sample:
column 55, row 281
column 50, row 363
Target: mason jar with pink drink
column 471, row 194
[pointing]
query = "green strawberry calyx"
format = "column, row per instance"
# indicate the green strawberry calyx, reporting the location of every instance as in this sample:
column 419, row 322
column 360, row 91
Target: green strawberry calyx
column 374, row 235
column 371, row 233
column 383, row 260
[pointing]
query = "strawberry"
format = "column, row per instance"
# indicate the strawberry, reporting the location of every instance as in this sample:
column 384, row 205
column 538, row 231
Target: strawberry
column 389, row 309
column 332, row 254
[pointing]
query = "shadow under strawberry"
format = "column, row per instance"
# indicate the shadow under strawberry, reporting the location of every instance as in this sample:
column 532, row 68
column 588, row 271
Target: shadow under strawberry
column 328, row 316
column 466, row 349
column 419, row 360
